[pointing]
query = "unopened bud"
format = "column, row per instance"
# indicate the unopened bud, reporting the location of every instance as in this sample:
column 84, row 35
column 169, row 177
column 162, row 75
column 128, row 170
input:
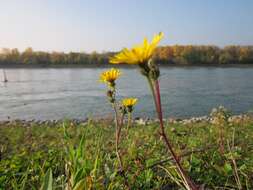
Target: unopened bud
column 154, row 72
column 110, row 96
column 122, row 109
column 109, row 93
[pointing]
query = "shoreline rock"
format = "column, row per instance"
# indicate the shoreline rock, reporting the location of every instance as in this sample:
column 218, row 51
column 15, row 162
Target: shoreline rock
column 138, row 120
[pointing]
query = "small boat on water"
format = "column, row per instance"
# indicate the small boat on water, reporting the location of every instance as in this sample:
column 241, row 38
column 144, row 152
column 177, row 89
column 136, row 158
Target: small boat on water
column 5, row 76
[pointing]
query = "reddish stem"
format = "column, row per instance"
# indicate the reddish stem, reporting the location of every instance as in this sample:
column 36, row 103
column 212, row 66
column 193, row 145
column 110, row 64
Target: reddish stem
column 186, row 178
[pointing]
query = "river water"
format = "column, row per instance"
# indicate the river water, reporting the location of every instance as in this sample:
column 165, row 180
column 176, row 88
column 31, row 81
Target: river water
column 76, row 93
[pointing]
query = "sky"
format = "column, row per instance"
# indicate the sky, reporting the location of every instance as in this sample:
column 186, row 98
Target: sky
column 110, row 25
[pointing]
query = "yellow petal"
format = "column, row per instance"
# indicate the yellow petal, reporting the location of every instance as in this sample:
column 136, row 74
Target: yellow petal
column 138, row 54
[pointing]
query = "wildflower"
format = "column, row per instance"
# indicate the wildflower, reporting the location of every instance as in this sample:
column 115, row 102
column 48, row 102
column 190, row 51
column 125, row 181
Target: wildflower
column 140, row 54
column 128, row 103
column 110, row 76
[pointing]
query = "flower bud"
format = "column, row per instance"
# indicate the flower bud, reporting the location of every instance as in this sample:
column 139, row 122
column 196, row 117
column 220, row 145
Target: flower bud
column 110, row 95
column 154, row 72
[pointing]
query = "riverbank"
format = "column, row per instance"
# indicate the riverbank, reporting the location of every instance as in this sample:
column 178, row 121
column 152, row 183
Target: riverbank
column 28, row 149
column 234, row 119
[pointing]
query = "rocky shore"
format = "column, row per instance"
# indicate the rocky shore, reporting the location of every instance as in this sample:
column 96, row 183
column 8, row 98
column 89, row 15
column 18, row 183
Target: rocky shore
column 139, row 121
column 206, row 119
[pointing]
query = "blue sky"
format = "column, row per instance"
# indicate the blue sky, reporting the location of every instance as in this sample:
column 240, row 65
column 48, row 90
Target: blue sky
column 104, row 25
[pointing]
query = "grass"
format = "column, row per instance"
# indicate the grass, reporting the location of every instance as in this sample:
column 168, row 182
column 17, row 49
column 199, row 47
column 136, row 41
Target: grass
column 82, row 156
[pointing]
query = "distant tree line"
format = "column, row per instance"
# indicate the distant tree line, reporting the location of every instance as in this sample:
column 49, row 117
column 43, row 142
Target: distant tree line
column 30, row 57
column 176, row 54
column 189, row 54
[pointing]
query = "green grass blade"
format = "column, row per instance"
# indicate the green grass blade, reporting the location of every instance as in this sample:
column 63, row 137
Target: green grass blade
column 47, row 183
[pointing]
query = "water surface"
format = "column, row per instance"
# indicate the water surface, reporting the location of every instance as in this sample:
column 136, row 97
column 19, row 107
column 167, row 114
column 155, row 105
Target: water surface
column 76, row 93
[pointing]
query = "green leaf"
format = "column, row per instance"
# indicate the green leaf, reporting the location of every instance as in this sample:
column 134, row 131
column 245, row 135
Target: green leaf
column 243, row 167
column 80, row 185
column 47, row 183
column 81, row 148
column 93, row 172
column 78, row 175
column 227, row 168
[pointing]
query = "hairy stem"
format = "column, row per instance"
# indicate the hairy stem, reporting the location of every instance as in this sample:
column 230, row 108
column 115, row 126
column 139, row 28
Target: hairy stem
column 117, row 135
column 235, row 168
column 118, row 126
column 117, row 139
column 129, row 121
column 221, row 140
column 151, row 85
column 154, row 85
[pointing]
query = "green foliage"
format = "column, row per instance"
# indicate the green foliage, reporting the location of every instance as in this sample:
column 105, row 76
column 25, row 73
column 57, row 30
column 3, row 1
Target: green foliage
column 204, row 54
column 47, row 183
column 82, row 156
column 81, row 168
column 167, row 55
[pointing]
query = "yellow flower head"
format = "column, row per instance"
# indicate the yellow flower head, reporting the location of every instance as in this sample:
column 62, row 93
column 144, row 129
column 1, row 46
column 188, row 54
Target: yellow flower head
column 110, row 76
column 139, row 54
column 129, row 102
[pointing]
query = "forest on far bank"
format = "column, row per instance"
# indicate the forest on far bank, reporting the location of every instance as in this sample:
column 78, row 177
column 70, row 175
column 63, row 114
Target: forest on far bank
column 176, row 54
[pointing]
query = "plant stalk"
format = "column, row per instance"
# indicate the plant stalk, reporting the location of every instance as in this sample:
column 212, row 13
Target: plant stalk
column 117, row 135
column 129, row 121
column 118, row 126
column 154, row 85
column 117, row 138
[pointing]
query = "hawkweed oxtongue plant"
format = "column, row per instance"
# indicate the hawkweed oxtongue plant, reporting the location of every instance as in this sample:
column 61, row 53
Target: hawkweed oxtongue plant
column 109, row 77
column 141, row 55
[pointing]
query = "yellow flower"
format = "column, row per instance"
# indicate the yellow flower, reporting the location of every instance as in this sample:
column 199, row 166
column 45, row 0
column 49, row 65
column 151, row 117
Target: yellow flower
column 110, row 76
column 139, row 54
column 129, row 102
